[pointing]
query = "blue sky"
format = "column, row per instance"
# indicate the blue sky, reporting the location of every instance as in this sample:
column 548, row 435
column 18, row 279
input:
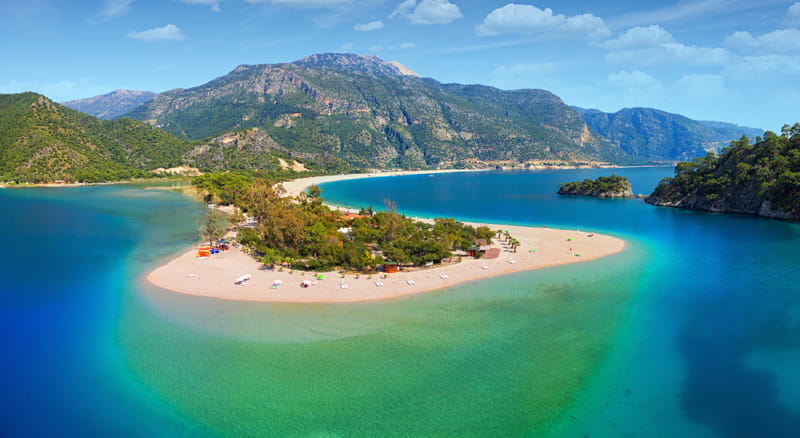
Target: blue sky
column 729, row 60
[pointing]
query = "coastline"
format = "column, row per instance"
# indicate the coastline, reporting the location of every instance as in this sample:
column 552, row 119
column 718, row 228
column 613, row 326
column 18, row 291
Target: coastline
column 215, row 277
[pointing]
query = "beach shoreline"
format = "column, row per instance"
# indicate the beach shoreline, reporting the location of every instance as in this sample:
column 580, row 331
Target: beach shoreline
column 215, row 277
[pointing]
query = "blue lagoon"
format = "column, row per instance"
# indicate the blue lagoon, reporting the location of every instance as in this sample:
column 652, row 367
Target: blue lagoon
column 691, row 331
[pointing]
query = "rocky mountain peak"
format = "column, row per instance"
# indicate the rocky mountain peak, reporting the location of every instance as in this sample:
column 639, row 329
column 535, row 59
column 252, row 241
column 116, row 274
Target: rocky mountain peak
column 351, row 62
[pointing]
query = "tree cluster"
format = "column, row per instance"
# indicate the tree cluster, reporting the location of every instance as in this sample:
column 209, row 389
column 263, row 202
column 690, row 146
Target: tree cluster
column 305, row 234
column 741, row 177
column 603, row 185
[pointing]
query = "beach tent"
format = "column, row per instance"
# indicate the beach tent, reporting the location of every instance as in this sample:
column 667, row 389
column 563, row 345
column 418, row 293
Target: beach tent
column 204, row 252
column 276, row 284
column 320, row 277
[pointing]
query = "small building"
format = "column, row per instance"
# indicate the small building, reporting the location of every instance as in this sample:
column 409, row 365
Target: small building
column 390, row 267
column 472, row 251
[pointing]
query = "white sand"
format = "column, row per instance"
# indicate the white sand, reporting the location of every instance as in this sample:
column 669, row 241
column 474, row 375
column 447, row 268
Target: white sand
column 215, row 277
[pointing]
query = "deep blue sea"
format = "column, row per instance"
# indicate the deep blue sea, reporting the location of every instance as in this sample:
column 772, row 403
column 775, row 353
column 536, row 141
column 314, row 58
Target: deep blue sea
column 693, row 331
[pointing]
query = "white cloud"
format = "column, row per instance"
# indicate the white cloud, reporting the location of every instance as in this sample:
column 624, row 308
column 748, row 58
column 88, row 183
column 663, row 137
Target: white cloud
column 779, row 41
column 762, row 66
column 647, row 46
column 639, row 37
column 635, row 78
column 528, row 19
column 112, row 9
column 672, row 53
column 793, row 12
column 213, row 3
column 305, row 3
column 374, row 25
column 427, row 11
column 169, row 32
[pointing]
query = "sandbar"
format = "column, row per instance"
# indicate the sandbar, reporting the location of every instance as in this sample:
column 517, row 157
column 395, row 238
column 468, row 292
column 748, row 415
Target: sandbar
column 215, row 277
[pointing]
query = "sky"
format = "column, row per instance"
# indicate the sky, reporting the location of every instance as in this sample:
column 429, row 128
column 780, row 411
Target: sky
column 736, row 61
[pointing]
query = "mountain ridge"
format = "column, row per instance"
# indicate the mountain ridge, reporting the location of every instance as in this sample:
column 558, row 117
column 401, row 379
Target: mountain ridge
column 110, row 105
column 662, row 136
column 373, row 114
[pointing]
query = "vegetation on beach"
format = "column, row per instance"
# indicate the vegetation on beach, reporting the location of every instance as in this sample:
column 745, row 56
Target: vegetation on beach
column 761, row 178
column 305, row 234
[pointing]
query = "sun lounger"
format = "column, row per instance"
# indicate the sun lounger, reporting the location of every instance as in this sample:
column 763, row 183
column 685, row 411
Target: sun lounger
column 411, row 282
column 443, row 276
column 378, row 284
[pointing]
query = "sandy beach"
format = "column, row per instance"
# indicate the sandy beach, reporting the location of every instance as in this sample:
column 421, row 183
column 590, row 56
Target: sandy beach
column 216, row 276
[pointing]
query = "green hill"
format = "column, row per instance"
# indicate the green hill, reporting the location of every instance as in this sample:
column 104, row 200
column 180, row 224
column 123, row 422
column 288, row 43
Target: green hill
column 371, row 113
column 761, row 179
column 42, row 141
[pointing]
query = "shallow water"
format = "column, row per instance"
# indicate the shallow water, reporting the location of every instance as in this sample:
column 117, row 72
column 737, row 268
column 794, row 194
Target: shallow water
column 693, row 328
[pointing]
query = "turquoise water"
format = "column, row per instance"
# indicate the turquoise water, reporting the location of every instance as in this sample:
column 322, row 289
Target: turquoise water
column 692, row 331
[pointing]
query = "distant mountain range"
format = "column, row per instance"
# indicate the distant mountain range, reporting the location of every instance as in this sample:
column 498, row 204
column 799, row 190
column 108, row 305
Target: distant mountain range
column 111, row 105
column 661, row 136
column 334, row 112
column 374, row 114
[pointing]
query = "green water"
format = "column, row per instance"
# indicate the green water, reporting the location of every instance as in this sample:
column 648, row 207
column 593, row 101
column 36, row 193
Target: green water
column 503, row 357
column 691, row 331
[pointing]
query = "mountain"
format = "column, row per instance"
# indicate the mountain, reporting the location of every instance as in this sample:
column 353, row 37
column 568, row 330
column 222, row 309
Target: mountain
column 41, row 141
column 762, row 179
column 374, row 114
column 111, row 105
column 653, row 135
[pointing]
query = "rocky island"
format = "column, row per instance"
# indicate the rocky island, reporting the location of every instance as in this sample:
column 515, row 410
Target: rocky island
column 603, row 187
column 761, row 179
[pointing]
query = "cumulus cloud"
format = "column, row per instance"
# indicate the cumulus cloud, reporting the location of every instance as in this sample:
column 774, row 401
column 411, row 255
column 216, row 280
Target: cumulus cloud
column 213, row 3
column 779, row 41
column 765, row 65
column 305, row 3
column 647, row 46
column 169, row 32
column 639, row 37
column 427, row 11
column 527, row 20
column 635, row 78
column 793, row 13
column 672, row 53
column 112, row 9
column 368, row 27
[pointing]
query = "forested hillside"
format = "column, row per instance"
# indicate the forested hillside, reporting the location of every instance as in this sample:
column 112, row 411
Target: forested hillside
column 370, row 113
column 761, row 179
